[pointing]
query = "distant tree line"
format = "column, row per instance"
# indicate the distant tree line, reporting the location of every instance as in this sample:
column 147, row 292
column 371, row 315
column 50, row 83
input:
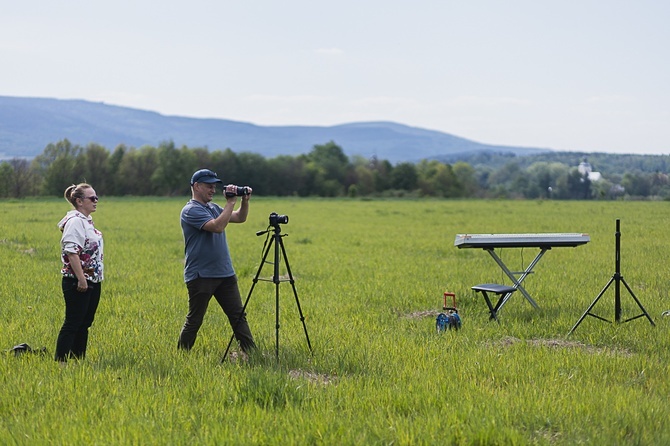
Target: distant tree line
column 324, row 172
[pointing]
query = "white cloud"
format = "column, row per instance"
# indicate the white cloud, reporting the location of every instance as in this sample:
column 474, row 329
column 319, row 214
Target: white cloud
column 294, row 99
column 609, row 100
column 330, row 51
column 488, row 101
column 385, row 100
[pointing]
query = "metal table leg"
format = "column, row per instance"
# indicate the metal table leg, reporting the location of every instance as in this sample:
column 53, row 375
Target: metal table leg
column 517, row 282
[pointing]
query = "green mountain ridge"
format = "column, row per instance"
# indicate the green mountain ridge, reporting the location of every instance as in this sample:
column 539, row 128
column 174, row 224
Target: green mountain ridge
column 27, row 125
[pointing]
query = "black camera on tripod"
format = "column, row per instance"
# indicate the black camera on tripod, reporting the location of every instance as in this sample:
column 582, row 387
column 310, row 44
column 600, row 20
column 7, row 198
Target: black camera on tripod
column 238, row 191
column 274, row 238
column 276, row 219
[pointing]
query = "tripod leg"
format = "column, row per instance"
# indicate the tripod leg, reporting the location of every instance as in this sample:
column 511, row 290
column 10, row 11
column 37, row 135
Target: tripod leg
column 246, row 301
column 277, row 320
column 638, row 304
column 586, row 313
column 277, row 281
column 295, row 294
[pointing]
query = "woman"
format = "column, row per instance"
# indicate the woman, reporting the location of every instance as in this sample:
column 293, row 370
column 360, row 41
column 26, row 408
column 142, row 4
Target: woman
column 82, row 256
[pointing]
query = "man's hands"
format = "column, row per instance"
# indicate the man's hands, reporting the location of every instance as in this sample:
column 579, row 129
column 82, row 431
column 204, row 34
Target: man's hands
column 233, row 191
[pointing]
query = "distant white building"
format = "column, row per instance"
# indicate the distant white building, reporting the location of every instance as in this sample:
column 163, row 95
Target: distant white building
column 586, row 170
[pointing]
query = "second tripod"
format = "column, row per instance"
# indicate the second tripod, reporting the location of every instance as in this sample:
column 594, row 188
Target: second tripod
column 276, row 241
column 617, row 279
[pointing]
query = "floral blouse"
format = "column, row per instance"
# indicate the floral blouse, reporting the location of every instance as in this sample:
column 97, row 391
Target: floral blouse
column 82, row 238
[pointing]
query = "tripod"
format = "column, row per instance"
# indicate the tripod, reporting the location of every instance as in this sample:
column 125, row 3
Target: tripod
column 617, row 279
column 276, row 240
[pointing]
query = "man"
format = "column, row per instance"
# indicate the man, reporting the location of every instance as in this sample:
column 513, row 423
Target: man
column 208, row 270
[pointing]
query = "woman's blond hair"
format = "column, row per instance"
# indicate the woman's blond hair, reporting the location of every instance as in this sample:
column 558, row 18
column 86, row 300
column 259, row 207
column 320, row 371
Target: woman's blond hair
column 76, row 191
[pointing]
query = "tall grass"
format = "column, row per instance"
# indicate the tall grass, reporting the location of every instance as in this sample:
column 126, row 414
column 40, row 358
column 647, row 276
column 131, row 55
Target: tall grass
column 370, row 277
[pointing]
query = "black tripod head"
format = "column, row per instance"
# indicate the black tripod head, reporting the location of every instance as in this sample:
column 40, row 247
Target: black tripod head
column 275, row 220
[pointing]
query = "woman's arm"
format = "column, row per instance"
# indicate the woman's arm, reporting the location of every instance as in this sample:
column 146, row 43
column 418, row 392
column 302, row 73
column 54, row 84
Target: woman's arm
column 75, row 264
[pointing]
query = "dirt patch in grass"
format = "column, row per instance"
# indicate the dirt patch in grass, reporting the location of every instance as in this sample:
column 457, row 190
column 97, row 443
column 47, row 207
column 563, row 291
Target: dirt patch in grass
column 314, row 378
column 422, row 314
column 561, row 343
column 19, row 247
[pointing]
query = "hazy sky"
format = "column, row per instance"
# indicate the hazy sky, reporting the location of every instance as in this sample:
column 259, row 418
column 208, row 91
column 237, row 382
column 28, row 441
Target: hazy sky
column 587, row 75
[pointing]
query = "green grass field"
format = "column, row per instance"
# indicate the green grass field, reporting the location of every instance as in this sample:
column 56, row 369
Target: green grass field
column 370, row 276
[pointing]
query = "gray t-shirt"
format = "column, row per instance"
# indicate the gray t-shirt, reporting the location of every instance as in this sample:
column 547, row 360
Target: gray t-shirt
column 207, row 253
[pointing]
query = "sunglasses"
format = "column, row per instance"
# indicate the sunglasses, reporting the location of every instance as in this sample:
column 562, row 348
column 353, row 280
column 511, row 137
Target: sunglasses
column 93, row 198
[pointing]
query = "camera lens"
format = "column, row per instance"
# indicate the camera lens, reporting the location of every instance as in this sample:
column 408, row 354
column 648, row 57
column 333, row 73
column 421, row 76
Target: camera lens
column 239, row 191
column 276, row 219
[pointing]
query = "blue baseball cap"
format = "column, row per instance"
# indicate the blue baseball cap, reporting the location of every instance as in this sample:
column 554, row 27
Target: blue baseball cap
column 205, row 176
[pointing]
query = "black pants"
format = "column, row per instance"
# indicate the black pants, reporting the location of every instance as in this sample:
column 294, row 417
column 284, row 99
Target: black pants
column 80, row 311
column 227, row 294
